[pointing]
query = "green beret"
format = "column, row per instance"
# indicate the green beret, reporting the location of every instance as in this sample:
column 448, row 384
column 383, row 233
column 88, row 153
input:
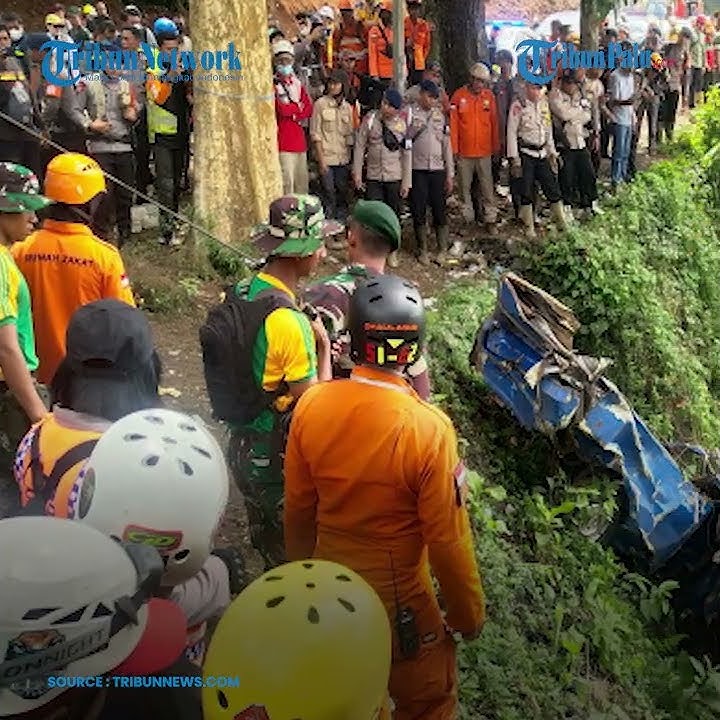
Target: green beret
column 379, row 218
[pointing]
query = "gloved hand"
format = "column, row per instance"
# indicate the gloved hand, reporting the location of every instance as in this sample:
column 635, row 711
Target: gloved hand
column 235, row 564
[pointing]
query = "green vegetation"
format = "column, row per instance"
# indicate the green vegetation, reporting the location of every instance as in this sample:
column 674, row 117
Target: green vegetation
column 570, row 632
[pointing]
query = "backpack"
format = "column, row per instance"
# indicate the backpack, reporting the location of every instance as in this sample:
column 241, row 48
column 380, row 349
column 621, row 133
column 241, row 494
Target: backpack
column 46, row 485
column 227, row 339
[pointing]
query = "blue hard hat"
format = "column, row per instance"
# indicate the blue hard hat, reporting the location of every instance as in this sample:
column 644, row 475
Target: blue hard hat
column 165, row 26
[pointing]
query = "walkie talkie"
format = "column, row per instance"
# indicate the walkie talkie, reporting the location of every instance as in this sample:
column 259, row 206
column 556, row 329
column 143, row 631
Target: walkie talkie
column 405, row 623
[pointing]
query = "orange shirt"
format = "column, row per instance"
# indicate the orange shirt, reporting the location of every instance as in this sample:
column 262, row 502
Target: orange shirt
column 351, row 41
column 421, row 36
column 380, row 490
column 379, row 64
column 474, row 123
column 66, row 267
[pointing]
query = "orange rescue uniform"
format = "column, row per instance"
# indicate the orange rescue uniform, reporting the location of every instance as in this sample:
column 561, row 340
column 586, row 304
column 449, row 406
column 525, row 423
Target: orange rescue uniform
column 420, row 34
column 379, row 64
column 351, row 40
column 66, row 267
column 380, row 490
column 474, row 123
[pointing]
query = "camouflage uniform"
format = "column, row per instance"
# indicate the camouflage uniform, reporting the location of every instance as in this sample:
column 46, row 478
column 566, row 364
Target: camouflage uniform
column 330, row 297
column 256, row 451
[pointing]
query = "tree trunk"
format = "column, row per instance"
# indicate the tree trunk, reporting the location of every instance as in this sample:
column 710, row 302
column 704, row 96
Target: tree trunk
column 236, row 165
column 592, row 12
column 460, row 39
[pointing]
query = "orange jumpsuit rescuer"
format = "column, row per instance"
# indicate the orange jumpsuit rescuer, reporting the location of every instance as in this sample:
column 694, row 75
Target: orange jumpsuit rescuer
column 381, row 490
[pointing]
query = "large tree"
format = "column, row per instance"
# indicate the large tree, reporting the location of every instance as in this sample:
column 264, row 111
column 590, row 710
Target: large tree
column 460, row 36
column 236, row 165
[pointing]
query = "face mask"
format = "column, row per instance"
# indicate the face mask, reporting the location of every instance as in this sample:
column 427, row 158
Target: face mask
column 138, row 26
column 285, row 70
column 16, row 34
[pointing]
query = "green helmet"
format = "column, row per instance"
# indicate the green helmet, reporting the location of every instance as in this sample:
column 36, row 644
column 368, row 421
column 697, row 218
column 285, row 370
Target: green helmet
column 20, row 190
column 297, row 227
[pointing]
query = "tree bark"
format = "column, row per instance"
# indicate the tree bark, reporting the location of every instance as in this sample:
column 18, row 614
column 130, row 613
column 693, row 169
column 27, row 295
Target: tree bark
column 236, row 163
column 460, row 39
column 592, row 12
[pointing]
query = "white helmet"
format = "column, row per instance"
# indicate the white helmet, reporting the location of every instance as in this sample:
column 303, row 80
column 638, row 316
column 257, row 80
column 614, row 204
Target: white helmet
column 156, row 477
column 61, row 587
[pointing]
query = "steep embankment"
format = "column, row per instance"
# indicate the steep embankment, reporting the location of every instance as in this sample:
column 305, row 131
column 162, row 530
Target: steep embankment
column 571, row 634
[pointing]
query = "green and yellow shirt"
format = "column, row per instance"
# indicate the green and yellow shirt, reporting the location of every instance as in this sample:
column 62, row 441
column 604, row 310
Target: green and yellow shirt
column 15, row 307
column 284, row 349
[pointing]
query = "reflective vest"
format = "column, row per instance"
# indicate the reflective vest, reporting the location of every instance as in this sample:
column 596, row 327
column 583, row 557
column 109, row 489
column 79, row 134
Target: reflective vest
column 160, row 121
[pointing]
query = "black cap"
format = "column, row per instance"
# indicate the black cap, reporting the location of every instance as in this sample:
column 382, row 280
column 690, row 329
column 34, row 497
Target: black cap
column 430, row 88
column 110, row 336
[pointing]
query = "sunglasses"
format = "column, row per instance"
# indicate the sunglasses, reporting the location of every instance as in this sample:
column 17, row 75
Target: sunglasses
column 59, row 27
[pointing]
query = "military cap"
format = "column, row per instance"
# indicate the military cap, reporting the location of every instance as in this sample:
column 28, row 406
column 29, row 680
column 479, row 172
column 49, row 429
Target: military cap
column 297, row 227
column 20, row 190
column 379, row 218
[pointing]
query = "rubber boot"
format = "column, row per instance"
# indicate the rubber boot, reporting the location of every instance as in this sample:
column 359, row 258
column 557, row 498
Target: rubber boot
column 557, row 212
column 421, row 238
column 443, row 242
column 528, row 220
column 393, row 260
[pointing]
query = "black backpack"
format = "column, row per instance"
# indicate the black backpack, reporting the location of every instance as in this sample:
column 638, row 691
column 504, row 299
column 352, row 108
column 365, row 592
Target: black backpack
column 227, row 339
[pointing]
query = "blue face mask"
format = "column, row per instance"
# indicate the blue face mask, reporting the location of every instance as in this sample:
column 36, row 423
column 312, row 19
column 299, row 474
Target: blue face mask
column 285, row 70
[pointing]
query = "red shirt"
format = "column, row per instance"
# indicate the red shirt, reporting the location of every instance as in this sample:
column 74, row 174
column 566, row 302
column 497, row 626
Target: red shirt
column 291, row 134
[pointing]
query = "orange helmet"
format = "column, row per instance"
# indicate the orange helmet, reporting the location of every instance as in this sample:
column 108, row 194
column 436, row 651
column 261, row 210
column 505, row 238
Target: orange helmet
column 346, row 5
column 73, row 179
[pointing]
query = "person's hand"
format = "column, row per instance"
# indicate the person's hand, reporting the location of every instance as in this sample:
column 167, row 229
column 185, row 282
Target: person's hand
column 404, row 192
column 320, row 332
column 449, row 183
column 357, row 181
column 324, row 168
column 468, row 637
column 99, row 126
column 553, row 162
column 515, row 168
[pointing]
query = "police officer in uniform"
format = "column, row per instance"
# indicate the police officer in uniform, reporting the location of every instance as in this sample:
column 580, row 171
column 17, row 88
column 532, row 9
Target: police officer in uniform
column 532, row 154
column 433, row 169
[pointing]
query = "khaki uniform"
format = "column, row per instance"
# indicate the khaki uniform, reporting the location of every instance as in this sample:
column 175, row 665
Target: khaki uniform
column 430, row 135
column 530, row 140
column 432, row 165
column 573, row 113
column 332, row 126
column 388, row 172
column 382, row 164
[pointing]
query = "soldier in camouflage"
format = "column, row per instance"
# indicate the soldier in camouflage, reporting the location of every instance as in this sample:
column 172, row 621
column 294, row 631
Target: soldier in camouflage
column 373, row 234
column 20, row 400
column 290, row 354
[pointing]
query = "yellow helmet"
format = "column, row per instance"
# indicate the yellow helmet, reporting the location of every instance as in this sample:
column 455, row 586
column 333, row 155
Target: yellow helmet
column 308, row 639
column 73, row 179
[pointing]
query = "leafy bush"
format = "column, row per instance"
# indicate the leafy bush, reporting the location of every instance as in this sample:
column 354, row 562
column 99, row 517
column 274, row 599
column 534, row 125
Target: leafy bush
column 570, row 633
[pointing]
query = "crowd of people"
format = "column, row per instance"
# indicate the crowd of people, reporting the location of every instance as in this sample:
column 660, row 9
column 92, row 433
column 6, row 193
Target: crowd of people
column 341, row 120
column 114, row 569
column 127, row 120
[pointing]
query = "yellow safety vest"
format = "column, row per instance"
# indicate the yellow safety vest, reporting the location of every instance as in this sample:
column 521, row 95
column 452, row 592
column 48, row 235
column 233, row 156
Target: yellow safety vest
column 160, row 121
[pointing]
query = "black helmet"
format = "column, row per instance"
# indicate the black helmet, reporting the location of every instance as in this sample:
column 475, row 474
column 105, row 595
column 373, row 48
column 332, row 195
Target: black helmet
column 386, row 322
